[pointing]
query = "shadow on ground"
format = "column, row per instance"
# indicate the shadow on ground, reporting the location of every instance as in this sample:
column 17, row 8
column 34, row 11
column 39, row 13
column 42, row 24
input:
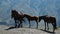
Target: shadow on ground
column 47, row 31
column 39, row 29
column 10, row 28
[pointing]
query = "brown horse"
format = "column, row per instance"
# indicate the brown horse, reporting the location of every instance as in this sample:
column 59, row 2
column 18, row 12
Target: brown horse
column 31, row 18
column 17, row 17
column 47, row 20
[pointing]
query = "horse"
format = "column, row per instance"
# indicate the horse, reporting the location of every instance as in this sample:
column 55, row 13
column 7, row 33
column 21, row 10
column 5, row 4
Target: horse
column 31, row 18
column 49, row 19
column 18, row 18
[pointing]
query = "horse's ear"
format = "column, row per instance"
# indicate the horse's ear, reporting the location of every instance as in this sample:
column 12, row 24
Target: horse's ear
column 13, row 10
column 46, row 15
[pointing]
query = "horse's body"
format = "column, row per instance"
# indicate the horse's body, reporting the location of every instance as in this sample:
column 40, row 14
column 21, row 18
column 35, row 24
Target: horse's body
column 48, row 19
column 31, row 18
column 17, row 17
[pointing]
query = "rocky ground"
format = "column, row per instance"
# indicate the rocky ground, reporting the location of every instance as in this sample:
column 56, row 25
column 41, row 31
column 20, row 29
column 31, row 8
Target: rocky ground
column 24, row 31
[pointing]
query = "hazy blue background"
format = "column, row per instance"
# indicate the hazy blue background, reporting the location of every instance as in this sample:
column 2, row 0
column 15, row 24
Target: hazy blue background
column 31, row 7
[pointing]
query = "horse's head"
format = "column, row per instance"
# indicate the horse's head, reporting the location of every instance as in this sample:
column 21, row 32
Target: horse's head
column 42, row 18
column 13, row 13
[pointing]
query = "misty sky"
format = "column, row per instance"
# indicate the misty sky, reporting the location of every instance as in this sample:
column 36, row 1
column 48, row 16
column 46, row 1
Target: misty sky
column 31, row 7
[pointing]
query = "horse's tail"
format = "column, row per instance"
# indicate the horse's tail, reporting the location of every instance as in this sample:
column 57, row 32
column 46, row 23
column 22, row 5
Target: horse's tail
column 23, row 20
column 55, row 25
column 39, row 19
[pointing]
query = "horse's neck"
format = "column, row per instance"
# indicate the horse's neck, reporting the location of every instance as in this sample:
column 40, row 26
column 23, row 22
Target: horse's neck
column 26, row 15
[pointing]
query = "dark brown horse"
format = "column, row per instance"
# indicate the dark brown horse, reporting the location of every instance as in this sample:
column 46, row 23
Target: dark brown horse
column 17, row 18
column 31, row 18
column 47, row 20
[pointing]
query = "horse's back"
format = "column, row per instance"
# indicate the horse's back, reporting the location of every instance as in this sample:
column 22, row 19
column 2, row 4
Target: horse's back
column 53, row 18
column 50, row 19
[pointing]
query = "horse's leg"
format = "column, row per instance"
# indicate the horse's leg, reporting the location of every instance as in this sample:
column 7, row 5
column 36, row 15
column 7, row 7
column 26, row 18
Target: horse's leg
column 20, row 24
column 15, row 23
column 53, row 27
column 37, row 24
column 29, row 24
column 47, row 26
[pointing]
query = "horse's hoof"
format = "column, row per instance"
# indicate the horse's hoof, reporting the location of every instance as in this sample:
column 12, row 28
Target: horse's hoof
column 44, row 29
column 29, row 26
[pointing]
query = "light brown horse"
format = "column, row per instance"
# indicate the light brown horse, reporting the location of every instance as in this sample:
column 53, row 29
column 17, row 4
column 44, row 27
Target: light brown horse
column 47, row 20
column 31, row 18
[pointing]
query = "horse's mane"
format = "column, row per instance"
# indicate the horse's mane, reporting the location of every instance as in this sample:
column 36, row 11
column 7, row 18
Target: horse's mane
column 20, row 13
column 14, row 11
